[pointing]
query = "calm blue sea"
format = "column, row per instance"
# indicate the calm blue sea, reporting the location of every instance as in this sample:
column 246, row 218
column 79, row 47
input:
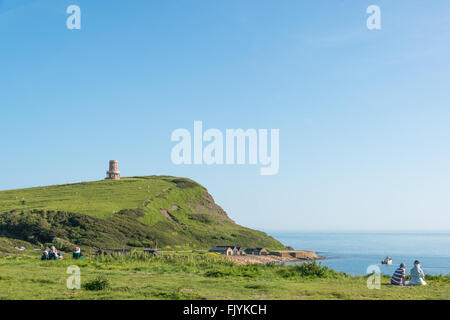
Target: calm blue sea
column 353, row 252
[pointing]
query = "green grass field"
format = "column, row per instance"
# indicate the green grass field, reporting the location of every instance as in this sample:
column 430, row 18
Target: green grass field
column 192, row 276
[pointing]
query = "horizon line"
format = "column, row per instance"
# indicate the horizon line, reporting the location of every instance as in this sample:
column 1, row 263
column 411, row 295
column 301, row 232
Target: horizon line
column 354, row 231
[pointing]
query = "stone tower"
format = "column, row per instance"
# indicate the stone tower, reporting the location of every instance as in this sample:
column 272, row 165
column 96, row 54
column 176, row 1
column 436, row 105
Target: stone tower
column 113, row 172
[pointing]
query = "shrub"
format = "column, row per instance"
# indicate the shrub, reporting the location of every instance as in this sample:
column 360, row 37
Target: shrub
column 217, row 273
column 63, row 245
column 310, row 269
column 98, row 284
column 184, row 183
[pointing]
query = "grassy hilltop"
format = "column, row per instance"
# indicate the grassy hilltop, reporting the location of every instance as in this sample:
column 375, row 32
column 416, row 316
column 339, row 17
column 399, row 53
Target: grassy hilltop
column 131, row 212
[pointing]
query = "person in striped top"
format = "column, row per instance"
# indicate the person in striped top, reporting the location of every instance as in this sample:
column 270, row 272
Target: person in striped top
column 398, row 278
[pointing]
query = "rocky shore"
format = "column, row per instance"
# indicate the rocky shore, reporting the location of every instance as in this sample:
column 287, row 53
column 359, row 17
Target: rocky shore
column 253, row 259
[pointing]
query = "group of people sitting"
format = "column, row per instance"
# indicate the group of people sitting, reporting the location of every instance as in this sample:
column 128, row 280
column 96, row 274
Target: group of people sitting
column 417, row 276
column 53, row 254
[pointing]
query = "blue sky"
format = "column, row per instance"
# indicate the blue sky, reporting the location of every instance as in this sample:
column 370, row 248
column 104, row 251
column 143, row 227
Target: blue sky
column 363, row 115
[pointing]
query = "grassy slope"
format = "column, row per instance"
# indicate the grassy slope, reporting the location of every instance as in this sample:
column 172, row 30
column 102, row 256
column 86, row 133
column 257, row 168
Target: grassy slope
column 192, row 218
column 196, row 276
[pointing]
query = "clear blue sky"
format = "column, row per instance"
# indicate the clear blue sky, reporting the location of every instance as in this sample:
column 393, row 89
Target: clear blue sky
column 363, row 115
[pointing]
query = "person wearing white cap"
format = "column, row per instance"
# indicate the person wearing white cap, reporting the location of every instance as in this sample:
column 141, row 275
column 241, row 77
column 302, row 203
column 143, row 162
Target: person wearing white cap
column 417, row 275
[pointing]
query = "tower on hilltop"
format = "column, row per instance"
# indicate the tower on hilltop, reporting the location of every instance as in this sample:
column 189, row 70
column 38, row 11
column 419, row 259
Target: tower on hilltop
column 113, row 173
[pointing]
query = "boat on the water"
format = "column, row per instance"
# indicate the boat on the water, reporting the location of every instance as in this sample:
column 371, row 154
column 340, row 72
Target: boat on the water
column 387, row 260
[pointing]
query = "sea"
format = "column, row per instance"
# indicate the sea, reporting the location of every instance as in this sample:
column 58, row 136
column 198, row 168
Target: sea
column 355, row 252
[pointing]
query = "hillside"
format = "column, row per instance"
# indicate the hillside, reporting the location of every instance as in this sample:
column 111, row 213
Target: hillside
column 131, row 212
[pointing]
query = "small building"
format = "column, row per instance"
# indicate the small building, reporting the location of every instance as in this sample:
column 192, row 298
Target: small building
column 238, row 251
column 228, row 250
column 257, row 251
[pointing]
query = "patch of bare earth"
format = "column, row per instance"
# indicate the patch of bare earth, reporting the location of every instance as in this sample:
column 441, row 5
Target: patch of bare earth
column 166, row 213
column 250, row 259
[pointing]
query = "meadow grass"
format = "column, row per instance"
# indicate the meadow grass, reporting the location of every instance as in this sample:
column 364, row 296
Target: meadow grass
column 192, row 276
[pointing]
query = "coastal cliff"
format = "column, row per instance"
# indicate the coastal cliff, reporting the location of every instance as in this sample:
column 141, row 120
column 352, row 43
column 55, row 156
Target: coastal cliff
column 132, row 212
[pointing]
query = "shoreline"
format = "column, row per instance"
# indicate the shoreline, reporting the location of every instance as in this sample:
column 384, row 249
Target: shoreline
column 254, row 259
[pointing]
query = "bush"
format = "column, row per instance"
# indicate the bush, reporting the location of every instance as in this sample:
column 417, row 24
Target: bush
column 185, row 183
column 217, row 273
column 310, row 269
column 98, row 284
column 63, row 245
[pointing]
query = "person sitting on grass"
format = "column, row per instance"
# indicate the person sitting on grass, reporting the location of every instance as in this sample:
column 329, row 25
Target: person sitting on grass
column 45, row 254
column 55, row 255
column 77, row 253
column 399, row 276
column 417, row 275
